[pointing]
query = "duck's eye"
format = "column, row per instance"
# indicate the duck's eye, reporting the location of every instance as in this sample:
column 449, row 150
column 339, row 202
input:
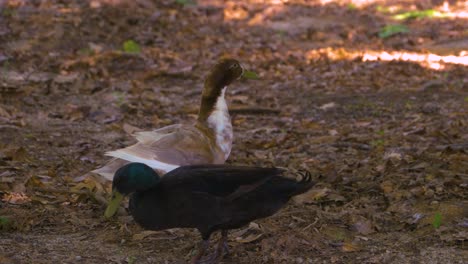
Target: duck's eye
column 235, row 65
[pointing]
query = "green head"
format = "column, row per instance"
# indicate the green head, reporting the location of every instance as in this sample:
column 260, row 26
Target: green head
column 133, row 177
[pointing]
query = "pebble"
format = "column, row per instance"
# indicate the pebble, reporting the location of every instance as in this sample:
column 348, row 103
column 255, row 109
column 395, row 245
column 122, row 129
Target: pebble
column 430, row 108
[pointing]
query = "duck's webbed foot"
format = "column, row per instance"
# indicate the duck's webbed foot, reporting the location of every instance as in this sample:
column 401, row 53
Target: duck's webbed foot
column 201, row 251
column 221, row 249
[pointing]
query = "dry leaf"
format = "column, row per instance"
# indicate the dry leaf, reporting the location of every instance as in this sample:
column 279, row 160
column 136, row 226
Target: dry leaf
column 249, row 234
column 86, row 184
column 144, row 234
column 328, row 106
column 350, row 247
column 16, row 153
column 387, row 187
column 16, row 198
column 129, row 129
column 66, row 79
column 4, row 113
column 249, row 238
column 311, row 196
column 363, row 227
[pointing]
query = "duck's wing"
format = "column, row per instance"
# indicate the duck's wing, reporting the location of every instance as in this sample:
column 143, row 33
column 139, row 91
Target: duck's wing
column 179, row 145
column 225, row 181
column 110, row 168
column 155, row 135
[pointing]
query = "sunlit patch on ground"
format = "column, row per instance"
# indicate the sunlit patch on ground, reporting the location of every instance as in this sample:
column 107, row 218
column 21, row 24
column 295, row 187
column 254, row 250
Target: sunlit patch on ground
column 432, row 61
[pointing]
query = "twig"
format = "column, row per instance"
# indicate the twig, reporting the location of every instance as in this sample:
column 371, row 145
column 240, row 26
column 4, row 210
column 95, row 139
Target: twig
column 253, row 110
column 10, row 126
column 352, row 145
column 54, row 190
column 453, row 147
column 98, row 198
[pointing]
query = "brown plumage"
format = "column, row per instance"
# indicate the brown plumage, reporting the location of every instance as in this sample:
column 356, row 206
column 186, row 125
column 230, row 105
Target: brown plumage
column 208, row 141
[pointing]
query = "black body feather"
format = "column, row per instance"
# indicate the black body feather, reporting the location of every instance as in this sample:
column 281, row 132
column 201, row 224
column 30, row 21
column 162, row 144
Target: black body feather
column 214, row 197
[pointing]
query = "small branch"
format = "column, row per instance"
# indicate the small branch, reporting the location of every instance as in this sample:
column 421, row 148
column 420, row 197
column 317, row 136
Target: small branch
column 54, row 190
column 352, row 145
column 97, row 198
column 10, row 126
column 253, row 111
column 453, row 147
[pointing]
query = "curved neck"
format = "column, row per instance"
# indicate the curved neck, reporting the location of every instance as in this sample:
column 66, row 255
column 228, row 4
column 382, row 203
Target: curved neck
column 208, row 104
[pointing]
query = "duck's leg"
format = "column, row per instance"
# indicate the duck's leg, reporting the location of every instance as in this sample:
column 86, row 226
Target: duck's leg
column 223, row 247
column 201, row 251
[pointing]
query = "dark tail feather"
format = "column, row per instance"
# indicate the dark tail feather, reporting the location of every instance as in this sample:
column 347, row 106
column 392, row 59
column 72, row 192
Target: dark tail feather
column 304, row 184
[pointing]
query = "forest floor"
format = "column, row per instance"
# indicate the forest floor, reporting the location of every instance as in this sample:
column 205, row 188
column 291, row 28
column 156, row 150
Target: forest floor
column 383, row 116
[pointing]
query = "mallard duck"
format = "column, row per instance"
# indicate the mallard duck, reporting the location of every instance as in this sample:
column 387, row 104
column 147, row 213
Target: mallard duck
column 205, row 197
column 208, row 141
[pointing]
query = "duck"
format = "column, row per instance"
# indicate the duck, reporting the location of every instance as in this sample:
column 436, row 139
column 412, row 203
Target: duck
column 207, row 141
column 208, row 197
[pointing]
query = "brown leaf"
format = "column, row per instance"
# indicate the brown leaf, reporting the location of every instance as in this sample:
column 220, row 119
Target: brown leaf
column 35, row 181
column 311, row 196
column 16, row 198
column 146, row 233
column 323, row 139
column 249, row 238
column 328, row 106
column 16, row 153
column 7, row 177
column 363, row 226
column 249, row 234
column 129, row 129
column 350, row 247
column 87, row 184
column 239, row 99
column 4, row 113
column 75, row 112
column 387, row 187
column 65, row 79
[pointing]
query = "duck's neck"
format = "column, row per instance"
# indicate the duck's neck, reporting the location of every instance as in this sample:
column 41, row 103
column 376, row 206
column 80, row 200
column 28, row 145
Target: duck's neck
column 214, row 114
column 210, row 102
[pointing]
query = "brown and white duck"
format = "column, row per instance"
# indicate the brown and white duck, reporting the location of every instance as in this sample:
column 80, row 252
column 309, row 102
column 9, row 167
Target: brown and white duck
column 208, row 141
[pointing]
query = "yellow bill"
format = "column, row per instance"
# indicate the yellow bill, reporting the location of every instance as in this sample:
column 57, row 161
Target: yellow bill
column 250, row 75
column 113, row 205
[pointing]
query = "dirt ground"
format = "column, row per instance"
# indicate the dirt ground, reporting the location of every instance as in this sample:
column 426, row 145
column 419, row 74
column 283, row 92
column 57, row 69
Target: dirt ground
column 383, row 120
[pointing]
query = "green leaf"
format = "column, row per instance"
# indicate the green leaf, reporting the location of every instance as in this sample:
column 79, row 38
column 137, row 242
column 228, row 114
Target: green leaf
column 3, row 220
column 86, row 52
column 437, row 221
column 250, row 75
column 466, row 99
column 5, row 223
column 131, row 46
column 390, row 30
column 383, row 9
column 8, row 12
column 352, row 6
column 429, row 13
column 378, row 142
column 186, row 2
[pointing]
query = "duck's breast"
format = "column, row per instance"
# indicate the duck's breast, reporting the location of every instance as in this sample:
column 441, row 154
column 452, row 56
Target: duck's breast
column 220, row 122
